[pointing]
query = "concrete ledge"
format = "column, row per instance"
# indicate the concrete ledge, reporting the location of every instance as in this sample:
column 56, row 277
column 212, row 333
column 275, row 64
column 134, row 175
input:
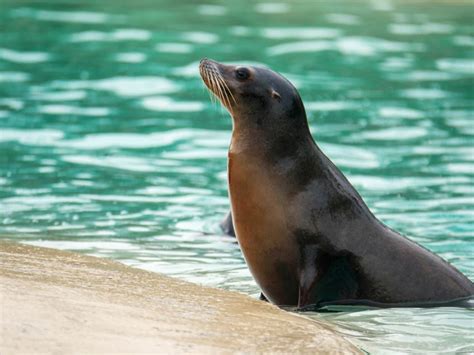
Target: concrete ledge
column 59, row 302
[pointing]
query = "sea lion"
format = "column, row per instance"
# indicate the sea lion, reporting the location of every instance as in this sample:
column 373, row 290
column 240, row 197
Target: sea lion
column 307, row 236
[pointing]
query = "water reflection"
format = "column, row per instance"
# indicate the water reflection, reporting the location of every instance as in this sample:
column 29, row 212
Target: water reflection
column 438, row 330
column 354, row 46
column 110, row 145
column 23, row 57
column 123, row 34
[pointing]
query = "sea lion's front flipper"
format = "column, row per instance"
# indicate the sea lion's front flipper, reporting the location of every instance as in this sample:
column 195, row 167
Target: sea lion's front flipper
column 227, row 225
column 308, row 275
column 307, row 282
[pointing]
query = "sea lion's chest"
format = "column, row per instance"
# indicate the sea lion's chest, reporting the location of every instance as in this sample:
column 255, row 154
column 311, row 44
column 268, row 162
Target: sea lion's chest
column 261, row 225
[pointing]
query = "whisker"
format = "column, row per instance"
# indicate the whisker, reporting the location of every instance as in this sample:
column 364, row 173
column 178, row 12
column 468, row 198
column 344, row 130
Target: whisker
column 226, row 93
column 218, row 88
column 212, row 89
column 214, row 85
column 205, row 76
column 222, row 89
column 228, row 90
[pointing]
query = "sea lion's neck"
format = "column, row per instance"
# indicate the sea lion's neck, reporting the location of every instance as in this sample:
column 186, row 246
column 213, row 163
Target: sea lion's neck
column 260, row 164
column 270, row 143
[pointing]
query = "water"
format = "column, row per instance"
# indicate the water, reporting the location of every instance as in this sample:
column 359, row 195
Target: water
column 110, row 145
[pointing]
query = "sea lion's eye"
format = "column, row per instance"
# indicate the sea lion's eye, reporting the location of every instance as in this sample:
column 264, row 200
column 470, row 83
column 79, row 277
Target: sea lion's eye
column 242, row 73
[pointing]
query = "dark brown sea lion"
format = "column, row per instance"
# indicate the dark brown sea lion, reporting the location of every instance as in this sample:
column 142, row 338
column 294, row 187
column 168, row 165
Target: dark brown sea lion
column 306, row 234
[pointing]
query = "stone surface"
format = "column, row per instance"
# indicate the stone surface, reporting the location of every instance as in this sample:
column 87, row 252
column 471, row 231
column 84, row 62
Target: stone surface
column 60, row 302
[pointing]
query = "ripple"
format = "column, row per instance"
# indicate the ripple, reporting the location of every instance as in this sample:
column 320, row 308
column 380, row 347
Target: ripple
column 166, row 104
column 300, row 46
column 116, row 162
column 65, row 226
column 74, row 110
column 331, row 105
column 400, row 112
column 87, row 17
column 427, row 204
column 424, row 75
column 124, row 34
column 23, row 57
column 200, row 37
column 393, row 183
column 461, row 120
column 157, row 190
column 366, row 46
column 72, row 95
column 211, row 10
column 125, row 86
column 397, row 331
column 272, row 8
column 465, row 41
column 355, row 157
column 37, row 202
column 11, row 103
column 48, row 137
column 196, row 154
column 456, row 65
column 13, row 76
column 88, row 245
column 343, row 19
column 441, row 148
column 394, row 63
column 425, row 94
column 358, row 46
column 396, row 134
column 46, row 169
column 240, row 30
column 382, row 5
column 30, row 137
column 129, row 140
column 461, row 168
column 299, row 32
column 130, row 57
column 189, row 70
column 423, row 29
column 174, row 47
column 22, row 230
column 124, row 198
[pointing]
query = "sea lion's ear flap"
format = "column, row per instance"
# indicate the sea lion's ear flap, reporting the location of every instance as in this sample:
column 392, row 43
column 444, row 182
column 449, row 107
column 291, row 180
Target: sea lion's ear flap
column 276, row 95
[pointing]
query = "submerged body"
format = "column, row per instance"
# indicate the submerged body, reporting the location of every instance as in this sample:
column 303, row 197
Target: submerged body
column 306, row 234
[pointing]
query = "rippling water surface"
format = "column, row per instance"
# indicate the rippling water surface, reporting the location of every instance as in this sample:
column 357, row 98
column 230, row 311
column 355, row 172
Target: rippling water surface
column 110, row 145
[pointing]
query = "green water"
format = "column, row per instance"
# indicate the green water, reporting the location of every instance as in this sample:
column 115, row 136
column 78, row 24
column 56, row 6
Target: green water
column 109, row 144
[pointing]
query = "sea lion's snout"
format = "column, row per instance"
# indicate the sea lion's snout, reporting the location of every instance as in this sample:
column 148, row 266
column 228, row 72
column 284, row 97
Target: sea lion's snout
column 206, row 64
column 213, row 75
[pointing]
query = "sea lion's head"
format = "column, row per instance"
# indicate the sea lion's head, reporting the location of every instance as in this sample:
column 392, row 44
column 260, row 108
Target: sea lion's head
column 257, row 98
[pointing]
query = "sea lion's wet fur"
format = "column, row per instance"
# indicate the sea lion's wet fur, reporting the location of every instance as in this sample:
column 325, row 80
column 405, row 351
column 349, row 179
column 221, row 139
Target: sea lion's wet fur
column 306, row 234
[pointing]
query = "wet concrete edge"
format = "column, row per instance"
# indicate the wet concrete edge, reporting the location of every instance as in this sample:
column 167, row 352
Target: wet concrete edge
column 61, row 302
